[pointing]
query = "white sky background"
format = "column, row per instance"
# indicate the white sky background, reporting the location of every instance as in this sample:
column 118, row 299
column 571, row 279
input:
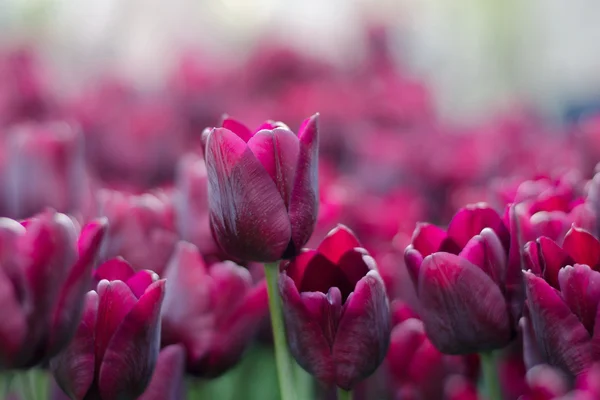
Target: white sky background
column 478, row 55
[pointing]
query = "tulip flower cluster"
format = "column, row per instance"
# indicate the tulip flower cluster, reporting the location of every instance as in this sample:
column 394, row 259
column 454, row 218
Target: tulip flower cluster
column 154, row 248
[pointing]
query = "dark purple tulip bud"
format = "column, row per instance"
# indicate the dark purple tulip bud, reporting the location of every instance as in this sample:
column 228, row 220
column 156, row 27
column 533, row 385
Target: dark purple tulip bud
column 468, row 287
column 191, row 203
column 563, row 319
column 45, row 168
column 45, row 271
column 336, row 310
column 262, row 188
column 141, row 228
column 167, row 381
column 213, row 312
column 115, row 348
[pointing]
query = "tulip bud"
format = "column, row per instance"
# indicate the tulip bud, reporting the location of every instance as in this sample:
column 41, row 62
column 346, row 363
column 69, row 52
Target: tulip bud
column 262, row 188
column 45, row 271
column 466, row 281
column 141, row 229
column 213, row 312
column 115, row 348
column 336, row 311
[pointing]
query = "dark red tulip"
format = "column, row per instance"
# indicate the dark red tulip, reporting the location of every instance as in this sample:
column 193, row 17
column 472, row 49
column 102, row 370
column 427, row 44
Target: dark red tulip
column 115, row 348
column 191, row 204
column 213, row 312
column 44, row 168
column 262, row 188
column 45, row 270
column 545, row 258
column 336, row 310
column 141, row 228
column 468, row 287
column 563, row 319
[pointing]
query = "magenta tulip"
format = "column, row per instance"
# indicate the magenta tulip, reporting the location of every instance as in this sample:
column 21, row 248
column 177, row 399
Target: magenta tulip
column 336, row 311
column 45, row 271
column 214, row 312
column 115, row 348
column 262, row 188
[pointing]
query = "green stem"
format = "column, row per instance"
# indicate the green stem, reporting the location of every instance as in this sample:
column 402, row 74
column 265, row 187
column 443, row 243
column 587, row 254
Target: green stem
column 491, row 380
column 305, row 384
column 6, row 380
column 344, row 394
column 285, row 373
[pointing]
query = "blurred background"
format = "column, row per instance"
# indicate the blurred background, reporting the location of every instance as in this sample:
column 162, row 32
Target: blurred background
column 477, row 56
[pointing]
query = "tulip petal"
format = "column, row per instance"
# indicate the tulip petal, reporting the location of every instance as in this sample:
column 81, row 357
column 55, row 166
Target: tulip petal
column 560, row 335
column 471, row 220
column 413, row 260
column 74, row 367
column 514, row 288
column 552, row 224
column 69, row 307
column 428, row 238
column 116, row 269
column 580, row 288
column 552, row 259
column 231, row 283
column 140, row 281
column 487, row 253
column 355, row 264
column 464, row 311
column 306, row 338
column 248, row 216
column 584, row 217
column 304, row 201
column 363, row 335
column 13, row 324
column 405, row 340
column 337, row 242
column 325, row 309
column 131, row 354
column 277, row 150
column 583, row 247
column 296, row 268
column 115, row 301
column 238, row 128
column 167, row 381
column 321, row 274
column 531, row 258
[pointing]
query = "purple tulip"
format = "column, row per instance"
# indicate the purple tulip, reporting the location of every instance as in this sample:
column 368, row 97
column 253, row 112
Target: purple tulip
column 467, row 281
column 167, row 381
column 45, row 168
column 213, row 312
column 115, row 348
column 141, row 228
column 262, row 188
column 336, row 310
column 45, row 271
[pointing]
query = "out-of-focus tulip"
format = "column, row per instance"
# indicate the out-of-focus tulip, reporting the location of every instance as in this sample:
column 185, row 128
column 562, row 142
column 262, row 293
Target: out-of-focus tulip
column 563, row 319
column 467, row 284
column 45, row 270
column 191, row 204
column 459, row 388
column 167, row 380
column 262, row 188
column 141, row 228
column 44, row 168
column 545, row 383
column 336, row 310
column 213, row 312
column 115, row 348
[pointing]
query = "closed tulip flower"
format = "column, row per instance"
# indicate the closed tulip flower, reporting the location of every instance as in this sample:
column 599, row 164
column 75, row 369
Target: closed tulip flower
column 45, row 271
column 262, row 188
column 115, row 348
column 336, row 311
column 467, row 282
column 213, row 312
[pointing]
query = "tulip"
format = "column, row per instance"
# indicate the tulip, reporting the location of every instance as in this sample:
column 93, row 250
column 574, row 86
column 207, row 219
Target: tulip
column 44, row 168
column 545, row 383
column 167, row 380
column 336, row 311
column 214, row 313
column 141, row 228
column 45, row 270
column 262, row 188
column 467, row 285
column 115, row 348
column 563, row 319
